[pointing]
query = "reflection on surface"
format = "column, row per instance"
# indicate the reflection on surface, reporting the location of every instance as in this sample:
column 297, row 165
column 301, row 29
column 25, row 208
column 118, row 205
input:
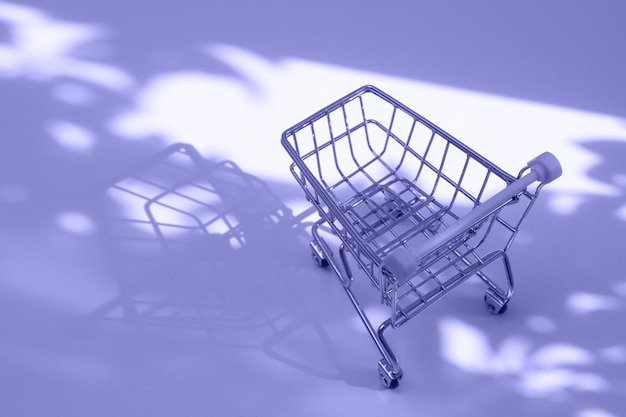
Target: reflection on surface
column 585, row 303
column 71, row 136
column 542, row 372
column 80, row 113
column 76, row 222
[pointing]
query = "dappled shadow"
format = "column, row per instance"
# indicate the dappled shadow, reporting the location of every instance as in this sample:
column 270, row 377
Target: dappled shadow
column 202, row 246
column 570, row 301
column 184, row 288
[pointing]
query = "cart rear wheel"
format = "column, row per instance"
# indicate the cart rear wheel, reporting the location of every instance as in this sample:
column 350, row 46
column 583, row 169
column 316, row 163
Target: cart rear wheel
column 392, row 383
column 321, row 262
column 388, row 378
column 389, row 382
column 318, row 255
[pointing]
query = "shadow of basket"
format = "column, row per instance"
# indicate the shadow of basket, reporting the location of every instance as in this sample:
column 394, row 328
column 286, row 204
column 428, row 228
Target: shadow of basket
column 177, row 221
column 203, row 247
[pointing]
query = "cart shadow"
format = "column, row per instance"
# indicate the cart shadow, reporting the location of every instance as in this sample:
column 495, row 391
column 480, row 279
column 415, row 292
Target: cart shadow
column 207, row 250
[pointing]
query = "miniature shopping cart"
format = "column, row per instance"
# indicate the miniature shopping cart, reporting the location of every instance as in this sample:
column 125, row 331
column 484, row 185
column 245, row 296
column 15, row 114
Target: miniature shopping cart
column 417, row 210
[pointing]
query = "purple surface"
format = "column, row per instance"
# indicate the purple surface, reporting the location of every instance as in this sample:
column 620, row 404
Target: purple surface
column 101, row 317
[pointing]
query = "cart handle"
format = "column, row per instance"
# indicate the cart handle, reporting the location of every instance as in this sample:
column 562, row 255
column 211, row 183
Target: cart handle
column 404, row 261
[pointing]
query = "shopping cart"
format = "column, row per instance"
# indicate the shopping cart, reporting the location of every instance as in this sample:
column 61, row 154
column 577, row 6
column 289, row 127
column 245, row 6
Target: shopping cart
column 418, row 211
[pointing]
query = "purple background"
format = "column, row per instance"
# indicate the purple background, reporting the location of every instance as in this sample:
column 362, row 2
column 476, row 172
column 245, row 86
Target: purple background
column 258, row 330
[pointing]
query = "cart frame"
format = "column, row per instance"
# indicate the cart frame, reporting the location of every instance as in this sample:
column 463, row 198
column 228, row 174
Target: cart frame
column 419, row 211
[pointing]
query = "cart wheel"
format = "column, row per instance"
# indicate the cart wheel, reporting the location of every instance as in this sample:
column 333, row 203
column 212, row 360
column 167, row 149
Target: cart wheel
column 495, row 305
column 321, row 262
column 387, row 377
column 318, row 256
column 391, row 383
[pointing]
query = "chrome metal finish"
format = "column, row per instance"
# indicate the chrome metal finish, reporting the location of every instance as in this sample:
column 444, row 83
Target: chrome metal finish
column 418, row 211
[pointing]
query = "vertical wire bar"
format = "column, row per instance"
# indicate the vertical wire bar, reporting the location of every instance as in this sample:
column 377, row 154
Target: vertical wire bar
column 406, row 145
column 359, row 168
column 367, row 136
column 333, row 141
column 440, row 169
column 425, row 156
column 482, row 188
column 317, row 153
column 388, row 133
column 458, row 185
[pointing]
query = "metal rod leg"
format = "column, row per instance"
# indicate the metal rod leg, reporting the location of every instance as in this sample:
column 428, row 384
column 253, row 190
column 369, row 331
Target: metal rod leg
column 509, row 275
column 388, row 367
column 496, row 298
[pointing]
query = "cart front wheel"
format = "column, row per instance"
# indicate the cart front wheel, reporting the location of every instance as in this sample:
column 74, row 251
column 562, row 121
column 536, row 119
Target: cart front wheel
column 495, row 305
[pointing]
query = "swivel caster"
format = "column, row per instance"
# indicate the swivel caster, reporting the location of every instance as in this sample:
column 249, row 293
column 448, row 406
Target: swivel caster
column 318, row 255
column 495, row 304
column 388, row 378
